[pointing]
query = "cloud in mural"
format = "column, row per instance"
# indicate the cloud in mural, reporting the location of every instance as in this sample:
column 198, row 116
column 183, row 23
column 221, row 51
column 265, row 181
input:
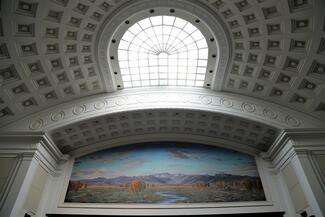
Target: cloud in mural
column 113, row 157
column 108, row 169
column 178, row 153
column 162, row 158
column 88, row 174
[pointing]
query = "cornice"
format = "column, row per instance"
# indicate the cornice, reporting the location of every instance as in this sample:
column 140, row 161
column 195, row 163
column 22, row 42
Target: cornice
column 294, row 134
column 28, row 143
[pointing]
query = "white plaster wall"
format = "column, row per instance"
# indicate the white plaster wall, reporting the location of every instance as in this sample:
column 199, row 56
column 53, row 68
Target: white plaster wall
column 295, row 189
column 27, row 201
column 35, row 190
column 312, row 186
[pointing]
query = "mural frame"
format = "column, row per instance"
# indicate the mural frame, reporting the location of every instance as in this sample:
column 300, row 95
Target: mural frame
column 260, row 164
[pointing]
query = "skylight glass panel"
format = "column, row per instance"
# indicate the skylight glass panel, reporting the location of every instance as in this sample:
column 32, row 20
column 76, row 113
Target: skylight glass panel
column 163, row 50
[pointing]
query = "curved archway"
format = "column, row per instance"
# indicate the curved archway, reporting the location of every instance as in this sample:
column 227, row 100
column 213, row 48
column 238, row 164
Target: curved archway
column 208, row 23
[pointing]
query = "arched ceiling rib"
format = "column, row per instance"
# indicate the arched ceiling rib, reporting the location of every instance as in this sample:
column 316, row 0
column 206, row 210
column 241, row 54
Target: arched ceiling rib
column 47, row 52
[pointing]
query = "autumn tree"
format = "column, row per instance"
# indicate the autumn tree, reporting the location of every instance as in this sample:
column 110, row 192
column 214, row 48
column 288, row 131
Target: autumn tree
column 137, row 185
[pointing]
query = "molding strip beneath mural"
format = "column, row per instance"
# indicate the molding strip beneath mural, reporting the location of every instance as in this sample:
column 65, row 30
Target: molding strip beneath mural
column 181, row 98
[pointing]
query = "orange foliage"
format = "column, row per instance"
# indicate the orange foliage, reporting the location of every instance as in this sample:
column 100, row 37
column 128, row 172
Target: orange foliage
column 201, row 185
column 135, row 185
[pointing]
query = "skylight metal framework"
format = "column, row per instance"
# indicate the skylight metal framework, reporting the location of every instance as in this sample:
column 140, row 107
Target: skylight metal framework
column 161, row 51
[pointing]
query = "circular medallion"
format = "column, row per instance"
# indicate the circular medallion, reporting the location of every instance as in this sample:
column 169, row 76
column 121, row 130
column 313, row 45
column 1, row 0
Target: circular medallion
column 293, row 122
column 99, row 105
column 57, row 116
column 227, row 103
column 78, row 109
column 248, row 107
column 120, row 101
column 270, row 113
column 206, row 100
column 36, row 124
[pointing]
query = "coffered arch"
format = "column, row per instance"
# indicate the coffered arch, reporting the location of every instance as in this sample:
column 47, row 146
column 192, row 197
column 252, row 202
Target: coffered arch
column 228, row 118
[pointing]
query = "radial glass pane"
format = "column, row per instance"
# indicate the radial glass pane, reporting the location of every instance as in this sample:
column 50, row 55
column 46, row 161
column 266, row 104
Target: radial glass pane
column 163, row 50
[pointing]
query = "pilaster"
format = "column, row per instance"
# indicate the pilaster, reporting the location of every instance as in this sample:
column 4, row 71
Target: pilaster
column 25, row 152
column 297, row 155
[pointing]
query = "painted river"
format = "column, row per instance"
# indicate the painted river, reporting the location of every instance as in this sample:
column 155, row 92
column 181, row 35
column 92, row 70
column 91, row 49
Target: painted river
column 170, row 198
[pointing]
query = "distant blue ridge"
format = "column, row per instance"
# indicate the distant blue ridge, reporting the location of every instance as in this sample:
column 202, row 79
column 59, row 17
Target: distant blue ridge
column 167, row 179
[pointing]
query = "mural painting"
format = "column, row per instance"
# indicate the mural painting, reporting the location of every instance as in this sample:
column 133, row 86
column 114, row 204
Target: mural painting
column 164, row 173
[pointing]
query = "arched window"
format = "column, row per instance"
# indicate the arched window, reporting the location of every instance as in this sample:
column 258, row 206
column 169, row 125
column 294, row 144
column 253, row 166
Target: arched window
column 161, row 51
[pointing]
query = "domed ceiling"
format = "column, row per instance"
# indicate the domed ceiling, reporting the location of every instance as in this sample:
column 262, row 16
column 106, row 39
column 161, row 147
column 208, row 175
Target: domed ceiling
column 50, row 58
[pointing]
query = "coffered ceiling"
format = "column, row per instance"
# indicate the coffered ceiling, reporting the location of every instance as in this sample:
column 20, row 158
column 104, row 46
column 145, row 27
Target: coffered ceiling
column 278, row 51
column 49, row 48
column 245, row 133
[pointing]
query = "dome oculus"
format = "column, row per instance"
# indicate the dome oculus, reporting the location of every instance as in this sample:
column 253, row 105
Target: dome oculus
column 161, row 51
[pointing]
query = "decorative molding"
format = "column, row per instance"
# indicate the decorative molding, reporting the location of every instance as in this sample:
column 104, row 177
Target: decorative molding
column 288, row 145
column 270, row 113
column 155, row 98
column 36, row 124
column 248, row 107
column 294, row 134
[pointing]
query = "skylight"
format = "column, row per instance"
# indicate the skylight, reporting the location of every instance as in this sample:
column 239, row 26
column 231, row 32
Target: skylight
column 161, row 51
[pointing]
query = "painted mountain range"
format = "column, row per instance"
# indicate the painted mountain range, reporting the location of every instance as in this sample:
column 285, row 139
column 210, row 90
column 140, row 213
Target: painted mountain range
column 167, row 179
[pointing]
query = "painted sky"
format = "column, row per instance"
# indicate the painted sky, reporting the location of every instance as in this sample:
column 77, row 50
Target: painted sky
column 153, row 158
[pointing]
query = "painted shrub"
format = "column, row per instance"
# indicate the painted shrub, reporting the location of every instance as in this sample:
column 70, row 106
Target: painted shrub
column 165, row 172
